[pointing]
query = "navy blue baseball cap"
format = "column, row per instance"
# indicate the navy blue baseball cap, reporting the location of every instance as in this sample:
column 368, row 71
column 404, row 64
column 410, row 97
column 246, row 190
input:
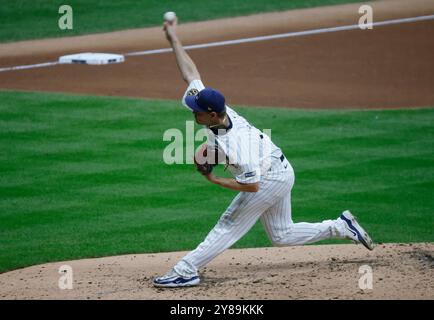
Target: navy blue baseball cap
column 206, row 100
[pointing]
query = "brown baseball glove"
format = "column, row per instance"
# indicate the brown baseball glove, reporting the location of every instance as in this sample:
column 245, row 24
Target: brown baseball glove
column 205, row 168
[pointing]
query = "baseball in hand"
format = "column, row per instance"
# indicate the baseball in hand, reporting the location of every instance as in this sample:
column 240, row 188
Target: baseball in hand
column 169, row 16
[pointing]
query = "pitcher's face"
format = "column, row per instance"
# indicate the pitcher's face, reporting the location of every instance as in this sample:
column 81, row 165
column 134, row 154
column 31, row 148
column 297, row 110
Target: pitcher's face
column 205, row 118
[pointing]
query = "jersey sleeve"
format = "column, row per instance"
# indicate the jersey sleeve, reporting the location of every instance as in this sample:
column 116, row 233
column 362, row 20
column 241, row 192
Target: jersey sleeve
column 193, row 89
column 249, row 175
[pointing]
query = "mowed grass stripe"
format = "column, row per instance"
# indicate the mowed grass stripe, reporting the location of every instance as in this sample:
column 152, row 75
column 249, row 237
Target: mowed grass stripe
column 83, row 176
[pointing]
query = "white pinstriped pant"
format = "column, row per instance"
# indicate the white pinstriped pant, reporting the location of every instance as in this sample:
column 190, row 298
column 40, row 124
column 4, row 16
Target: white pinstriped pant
column 272, row 204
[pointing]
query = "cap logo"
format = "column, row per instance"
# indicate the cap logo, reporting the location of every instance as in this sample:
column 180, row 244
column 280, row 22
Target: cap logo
column 209, row 109
column 192, row 92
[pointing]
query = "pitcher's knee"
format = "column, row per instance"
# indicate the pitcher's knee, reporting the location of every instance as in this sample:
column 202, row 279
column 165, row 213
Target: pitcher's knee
column 279, row 241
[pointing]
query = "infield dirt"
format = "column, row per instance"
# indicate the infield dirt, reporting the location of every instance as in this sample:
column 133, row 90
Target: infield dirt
column 387, row 67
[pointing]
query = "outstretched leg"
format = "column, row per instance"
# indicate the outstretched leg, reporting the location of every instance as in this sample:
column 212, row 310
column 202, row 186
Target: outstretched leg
column 281, row 230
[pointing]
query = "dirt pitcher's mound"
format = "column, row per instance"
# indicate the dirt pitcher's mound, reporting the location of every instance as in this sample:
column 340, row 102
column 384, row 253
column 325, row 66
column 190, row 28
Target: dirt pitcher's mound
column 399, row 271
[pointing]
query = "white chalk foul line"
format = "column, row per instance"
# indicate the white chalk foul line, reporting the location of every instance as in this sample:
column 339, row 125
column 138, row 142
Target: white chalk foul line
column 30, row 66
column 245, row 40
column 283, row 35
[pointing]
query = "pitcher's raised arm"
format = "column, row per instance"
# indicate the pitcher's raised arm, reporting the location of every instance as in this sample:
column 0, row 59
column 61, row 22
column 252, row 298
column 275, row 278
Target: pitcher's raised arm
column 185, row 64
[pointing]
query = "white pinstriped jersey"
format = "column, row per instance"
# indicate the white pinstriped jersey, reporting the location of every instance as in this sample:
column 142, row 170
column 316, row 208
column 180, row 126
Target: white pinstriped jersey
column 249, row 152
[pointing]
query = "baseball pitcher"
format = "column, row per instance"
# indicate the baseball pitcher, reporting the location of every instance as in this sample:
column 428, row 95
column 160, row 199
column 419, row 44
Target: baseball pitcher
column 261, row 174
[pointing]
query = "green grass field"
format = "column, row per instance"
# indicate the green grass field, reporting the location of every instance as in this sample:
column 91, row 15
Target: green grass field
column 33, row 19
column 83, row 176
